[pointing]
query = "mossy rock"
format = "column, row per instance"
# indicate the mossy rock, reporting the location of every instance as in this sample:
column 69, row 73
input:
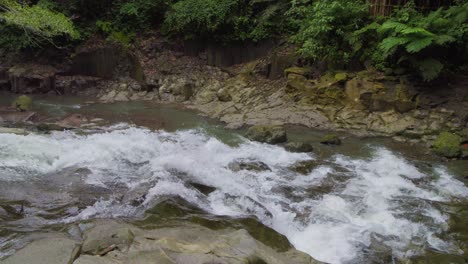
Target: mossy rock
column 330, row 139
column 447, row 145
column 304, row 167
column 297, row 70
column 297, row 83
column 341, row 77
column 267, row 134
column 22, row 103
column 299, row 147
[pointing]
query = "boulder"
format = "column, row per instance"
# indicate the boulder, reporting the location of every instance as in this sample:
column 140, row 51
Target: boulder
column 297, row 70
column 304, row 167
column 51, row 250
column 447, row 145
column 404, row 106
column 102, row 237
column 299, row 147
column 330, row 139
column 32, row 78
column 22, row 103
column 297, row 83
column 73, row 121
column 16, row 117
column 267, row 134
column 248, row 165
column 223, row 95
column 341, row 76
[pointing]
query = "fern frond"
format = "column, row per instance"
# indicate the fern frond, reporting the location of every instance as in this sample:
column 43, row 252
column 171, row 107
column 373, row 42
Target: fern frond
column 419, row 44
column 395, row 26
column 416, row 31
column 429, row 68
column 444, row 39
column 392, row 42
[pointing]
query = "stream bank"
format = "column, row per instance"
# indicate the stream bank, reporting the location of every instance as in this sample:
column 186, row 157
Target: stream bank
column 269, row 90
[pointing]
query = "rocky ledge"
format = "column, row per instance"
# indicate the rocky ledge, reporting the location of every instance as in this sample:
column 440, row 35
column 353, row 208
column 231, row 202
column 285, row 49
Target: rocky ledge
column 114, row 242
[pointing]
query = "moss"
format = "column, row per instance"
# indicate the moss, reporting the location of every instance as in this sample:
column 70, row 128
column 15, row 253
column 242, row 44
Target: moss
column 296, row 70
column 22, row 103
column 341, row 76
column 330, row 139
column 447, row 145
column 267, row 134
column 304, row 167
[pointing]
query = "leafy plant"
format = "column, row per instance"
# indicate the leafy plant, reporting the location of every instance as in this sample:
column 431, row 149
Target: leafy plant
column 226, row 20
column 37, row 23
column 425, row 43
column 327, row 29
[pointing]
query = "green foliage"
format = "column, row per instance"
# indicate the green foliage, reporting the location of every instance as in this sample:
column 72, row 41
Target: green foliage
column 447, row 145
column 37, row 23
column 139, row 14
column 113, row 34
column 424, row 43
column 225, row 20
column 327, row 30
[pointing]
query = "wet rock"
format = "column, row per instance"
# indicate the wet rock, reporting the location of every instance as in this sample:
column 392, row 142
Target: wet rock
column 297, row 83
column 102, row 237
column 195, row 244
column 223, row 95
column 330, row 139
column 404, row 106
column 205, row 189
column 299, row 147
column 12, row 130
column 248, row 165
column 51, row 250
column 48, row 127
column 304, row 167
column 76, row 84
column 32, row 78
column 73, row 121
column 87, row 259
column 22, row 103
column 16, row 117
column 267, row 134
column 297, row 70
column 447, row 145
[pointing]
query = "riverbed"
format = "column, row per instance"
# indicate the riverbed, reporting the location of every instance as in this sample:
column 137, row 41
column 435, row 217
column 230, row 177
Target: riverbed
column 370, row 200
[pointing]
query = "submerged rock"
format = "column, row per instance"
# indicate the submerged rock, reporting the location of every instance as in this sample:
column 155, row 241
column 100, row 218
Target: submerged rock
column 267, row 134
column 330, row 139
column 447, row 145
column 16, row 117
column 248, row 165
column 304, row 167
column 299, row 147
column 22, row 103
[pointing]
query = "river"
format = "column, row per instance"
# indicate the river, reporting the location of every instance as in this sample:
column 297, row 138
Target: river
column 367, row 201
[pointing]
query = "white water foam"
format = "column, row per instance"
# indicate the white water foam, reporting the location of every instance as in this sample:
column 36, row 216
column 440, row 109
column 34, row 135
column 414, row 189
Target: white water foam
column 376, row 199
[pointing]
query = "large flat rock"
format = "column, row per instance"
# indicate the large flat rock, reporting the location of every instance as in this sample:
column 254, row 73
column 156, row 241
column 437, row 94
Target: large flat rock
column 53, row 250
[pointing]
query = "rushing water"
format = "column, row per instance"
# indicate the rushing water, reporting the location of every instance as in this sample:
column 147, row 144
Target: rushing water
column 337, row 213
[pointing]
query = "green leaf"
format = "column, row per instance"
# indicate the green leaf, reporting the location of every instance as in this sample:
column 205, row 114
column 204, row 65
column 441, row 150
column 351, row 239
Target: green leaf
column 429, row 68
column 419, row 44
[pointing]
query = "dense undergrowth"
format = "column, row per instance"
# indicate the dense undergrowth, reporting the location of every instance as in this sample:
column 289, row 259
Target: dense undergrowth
column 339, row 33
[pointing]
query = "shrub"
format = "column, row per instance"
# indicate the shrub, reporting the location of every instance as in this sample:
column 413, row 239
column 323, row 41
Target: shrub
column 37, row 23
column 425, row 44
column 327, row 29
column 226, row 20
